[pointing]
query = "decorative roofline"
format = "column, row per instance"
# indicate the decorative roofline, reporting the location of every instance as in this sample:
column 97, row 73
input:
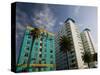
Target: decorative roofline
column 42, row 30
column 70, row 19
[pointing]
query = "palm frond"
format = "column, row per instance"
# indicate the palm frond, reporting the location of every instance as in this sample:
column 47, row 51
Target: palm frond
column 65, row 43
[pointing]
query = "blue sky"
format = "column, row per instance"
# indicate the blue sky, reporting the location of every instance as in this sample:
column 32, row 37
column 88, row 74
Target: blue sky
column 52, row 17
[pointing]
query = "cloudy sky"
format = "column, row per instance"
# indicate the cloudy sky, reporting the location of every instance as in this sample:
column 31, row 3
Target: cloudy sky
column 51, row 17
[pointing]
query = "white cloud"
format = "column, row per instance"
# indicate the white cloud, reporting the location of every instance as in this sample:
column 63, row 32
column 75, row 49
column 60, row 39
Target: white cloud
column 20, row 26
column 16, row 36
column 21, row 23
column 76, row 11
column 61, row 23
column 20, row 30
column 45, row 18
column 42, row 18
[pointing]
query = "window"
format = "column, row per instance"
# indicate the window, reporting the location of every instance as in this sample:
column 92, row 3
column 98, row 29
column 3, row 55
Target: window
column 44, row 69
column 42, row 34
column 36, row 48
column 45, row 50
column 73, row 61
column 29, row 37
column 33, row 58
column 39, row 61
column 26, row 54
column 50, row 39
column 36, row 43
column 28, row 42
column 51, row 62
column 68, row 23
column 51, row 68
column 40, row 49
column 51, row 56
column 44, row 61
column 35, row 54
column 40, row 55
column 45, row 45
column 27, row 47
column 73, row 65
column 79, row 42
column 51, row 51
column 41, row 39
column 24, row 62
column 71, row 52
column 40, row 44
column 81, row 48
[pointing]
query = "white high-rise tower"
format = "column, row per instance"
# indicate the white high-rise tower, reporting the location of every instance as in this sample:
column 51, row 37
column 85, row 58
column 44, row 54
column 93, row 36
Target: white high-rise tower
column 74, row 56
column 88, row 45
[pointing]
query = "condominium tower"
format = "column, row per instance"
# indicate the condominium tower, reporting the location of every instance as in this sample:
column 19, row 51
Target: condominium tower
column 88, row 44
column 73, row 58
column 39, row 56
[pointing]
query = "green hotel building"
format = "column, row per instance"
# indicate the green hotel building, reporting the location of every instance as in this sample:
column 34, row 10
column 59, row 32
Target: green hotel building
column 37, row 55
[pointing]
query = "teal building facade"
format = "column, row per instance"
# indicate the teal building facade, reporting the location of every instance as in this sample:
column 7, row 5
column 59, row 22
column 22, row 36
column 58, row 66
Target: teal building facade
column 39, row 56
